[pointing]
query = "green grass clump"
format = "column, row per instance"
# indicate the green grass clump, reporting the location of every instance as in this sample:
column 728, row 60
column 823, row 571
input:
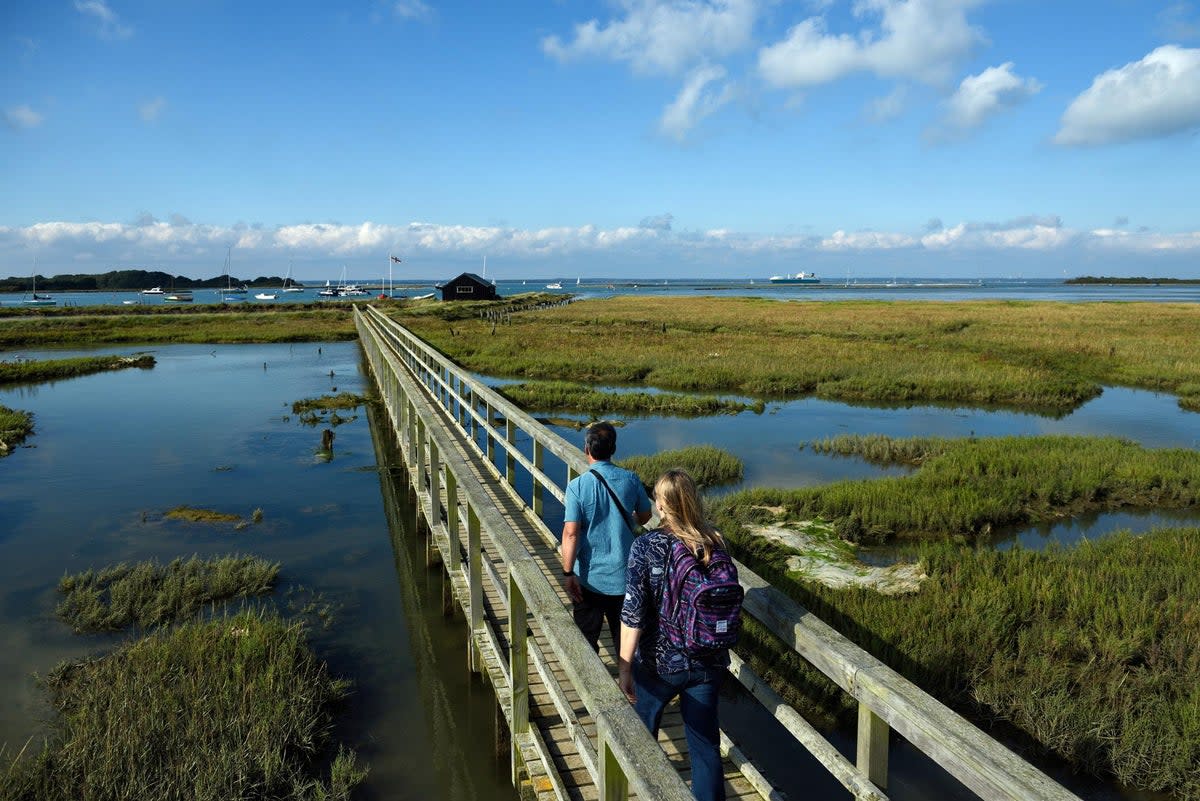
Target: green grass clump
column 1034, row 355
column 976, row 485
column 570, row 397
column 1088, row 653
column 15, row 426
column 879, row 449
column 313, row 411
column 229, row 710
column 194, row 515
column 53, row 369
column 95, row 325
column 708, row 466
column 149, row 594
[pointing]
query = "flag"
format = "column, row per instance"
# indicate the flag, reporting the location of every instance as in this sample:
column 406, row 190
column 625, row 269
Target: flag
column 395, row 259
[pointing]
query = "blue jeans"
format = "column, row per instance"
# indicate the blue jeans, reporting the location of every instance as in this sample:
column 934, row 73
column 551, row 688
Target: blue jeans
column 697, row 691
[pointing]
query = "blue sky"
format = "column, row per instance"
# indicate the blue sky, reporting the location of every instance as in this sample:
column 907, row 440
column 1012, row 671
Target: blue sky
column 638, row 138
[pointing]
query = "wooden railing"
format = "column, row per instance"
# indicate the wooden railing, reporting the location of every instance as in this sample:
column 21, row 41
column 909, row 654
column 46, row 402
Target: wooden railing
column 887, row 701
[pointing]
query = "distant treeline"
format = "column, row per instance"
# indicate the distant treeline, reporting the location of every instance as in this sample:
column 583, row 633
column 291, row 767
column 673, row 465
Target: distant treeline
column 118, row 280
column 1090, row 279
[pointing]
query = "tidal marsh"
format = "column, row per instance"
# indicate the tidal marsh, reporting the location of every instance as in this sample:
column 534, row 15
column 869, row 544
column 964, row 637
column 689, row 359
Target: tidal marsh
column 1087, row 653
column 316, row 411
column 234, row 708
column 708, row 466
column 149, row 594
column 102, row 325
column 1047, row 357
column 973, row 486
column 565, row 396
column 15, row 426
column 32, row 370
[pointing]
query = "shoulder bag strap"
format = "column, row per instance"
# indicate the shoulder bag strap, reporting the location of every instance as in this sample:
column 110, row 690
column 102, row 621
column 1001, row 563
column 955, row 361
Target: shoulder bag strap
column 616, row 500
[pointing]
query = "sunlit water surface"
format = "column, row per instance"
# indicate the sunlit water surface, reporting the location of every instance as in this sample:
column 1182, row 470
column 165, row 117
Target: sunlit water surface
column 212, row 427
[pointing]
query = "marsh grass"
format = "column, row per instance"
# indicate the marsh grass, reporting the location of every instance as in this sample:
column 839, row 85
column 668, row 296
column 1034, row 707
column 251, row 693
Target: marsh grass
column 973, row 486
column 324, row 410
column 96, row 325
column 1038, row 356
column 1088, row 653
column 15, row 426
column 708, row 466
column 31, row 370
column 194, row 515
column 149, row 594
column 565, row 396
column 229, row 710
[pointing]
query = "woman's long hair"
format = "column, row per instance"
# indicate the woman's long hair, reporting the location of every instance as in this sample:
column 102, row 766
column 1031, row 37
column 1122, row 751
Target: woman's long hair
column 683, row 513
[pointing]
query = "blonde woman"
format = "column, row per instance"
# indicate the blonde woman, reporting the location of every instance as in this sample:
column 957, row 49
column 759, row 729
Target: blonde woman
column 655, row 663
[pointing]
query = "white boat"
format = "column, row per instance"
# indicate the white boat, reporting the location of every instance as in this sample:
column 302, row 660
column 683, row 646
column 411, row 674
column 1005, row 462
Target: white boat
column 180, row 296
column 352, row 290
column 38, row 300
column 288, row 284
column 430, row 296
column 154, row 290
column 798, row 278
column 265, row 296
column 328, row 291
column 555, row 285
column 230, row 289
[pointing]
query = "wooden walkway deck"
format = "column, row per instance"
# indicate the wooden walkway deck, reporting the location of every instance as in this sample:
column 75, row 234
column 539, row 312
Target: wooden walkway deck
column 573, row 734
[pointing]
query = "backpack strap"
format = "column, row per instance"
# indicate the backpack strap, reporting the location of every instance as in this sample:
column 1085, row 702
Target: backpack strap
column 624, row 515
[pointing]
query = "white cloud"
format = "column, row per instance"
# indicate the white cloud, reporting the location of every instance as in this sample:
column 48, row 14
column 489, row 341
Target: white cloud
column 920, row 40
column 888, row 107
column 980, row 97
column 22, row 118
column 1157, row 96
column 694, row 102
column 412, row 9
column 111, row 26
column 184, row 247
column 662, row 36
column 866, row 240
column 151, row 109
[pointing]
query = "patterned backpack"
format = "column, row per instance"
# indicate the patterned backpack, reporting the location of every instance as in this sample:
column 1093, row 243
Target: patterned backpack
column 701, row 608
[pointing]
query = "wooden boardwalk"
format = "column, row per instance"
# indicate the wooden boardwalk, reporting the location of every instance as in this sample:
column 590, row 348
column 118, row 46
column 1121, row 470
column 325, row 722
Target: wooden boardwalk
column 478, row 468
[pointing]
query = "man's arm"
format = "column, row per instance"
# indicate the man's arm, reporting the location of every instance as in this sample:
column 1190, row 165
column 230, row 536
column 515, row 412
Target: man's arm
column 570, row 545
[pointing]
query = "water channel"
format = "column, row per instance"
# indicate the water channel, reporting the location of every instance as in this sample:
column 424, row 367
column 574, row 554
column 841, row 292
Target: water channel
column 212, row 427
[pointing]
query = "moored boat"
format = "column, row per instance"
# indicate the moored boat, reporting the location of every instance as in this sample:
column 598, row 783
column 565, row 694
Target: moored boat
column 265, row 296
column 154, row 290
column 798, row 278
column 178, row 296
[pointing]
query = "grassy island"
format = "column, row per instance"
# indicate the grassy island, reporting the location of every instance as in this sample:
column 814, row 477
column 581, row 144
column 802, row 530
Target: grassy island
column 565, row 396
column 1038, row 356
column 31, row 370
column 15, row 426
column 235, row 708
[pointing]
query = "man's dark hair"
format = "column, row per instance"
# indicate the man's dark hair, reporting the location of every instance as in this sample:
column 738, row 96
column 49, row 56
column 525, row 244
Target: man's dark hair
column 600, row 440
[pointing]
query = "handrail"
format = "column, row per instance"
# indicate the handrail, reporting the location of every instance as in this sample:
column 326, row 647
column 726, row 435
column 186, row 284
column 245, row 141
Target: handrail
column 887, row 701
column 627, row 754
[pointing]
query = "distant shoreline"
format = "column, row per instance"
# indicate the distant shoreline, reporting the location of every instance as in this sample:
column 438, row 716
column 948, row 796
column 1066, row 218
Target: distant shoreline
column 1089, row 279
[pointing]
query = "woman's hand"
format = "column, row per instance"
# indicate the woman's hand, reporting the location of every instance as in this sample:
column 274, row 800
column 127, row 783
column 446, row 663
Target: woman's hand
column 625, row 682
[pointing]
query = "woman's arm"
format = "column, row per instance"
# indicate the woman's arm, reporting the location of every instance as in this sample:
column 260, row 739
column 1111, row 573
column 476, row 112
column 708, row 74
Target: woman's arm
column 629, row 643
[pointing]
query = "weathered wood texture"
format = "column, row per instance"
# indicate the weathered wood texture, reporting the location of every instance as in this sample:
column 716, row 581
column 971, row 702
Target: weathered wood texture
column 437, row 408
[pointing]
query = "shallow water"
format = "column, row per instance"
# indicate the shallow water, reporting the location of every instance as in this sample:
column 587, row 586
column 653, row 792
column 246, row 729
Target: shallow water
column 212, row 427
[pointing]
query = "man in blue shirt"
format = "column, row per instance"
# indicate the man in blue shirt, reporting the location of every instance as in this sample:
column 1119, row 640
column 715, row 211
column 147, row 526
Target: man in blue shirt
column 602, row 507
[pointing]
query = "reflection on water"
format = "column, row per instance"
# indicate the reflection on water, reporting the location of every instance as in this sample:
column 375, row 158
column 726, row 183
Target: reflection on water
column 212, row 427
column 773, row 445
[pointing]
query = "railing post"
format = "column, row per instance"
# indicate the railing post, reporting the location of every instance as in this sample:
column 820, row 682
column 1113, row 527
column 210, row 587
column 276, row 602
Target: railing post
column 491, row 440
column 518, row 668
column 510, row 459
column 538, row 489
column 872, row 746
column 614, row 786
column 434, row 555
column 475, row 579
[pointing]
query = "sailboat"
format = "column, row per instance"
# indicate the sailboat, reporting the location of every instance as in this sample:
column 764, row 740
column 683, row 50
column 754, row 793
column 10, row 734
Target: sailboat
column 230, row 289
column 36, row 299
column 292, row 286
